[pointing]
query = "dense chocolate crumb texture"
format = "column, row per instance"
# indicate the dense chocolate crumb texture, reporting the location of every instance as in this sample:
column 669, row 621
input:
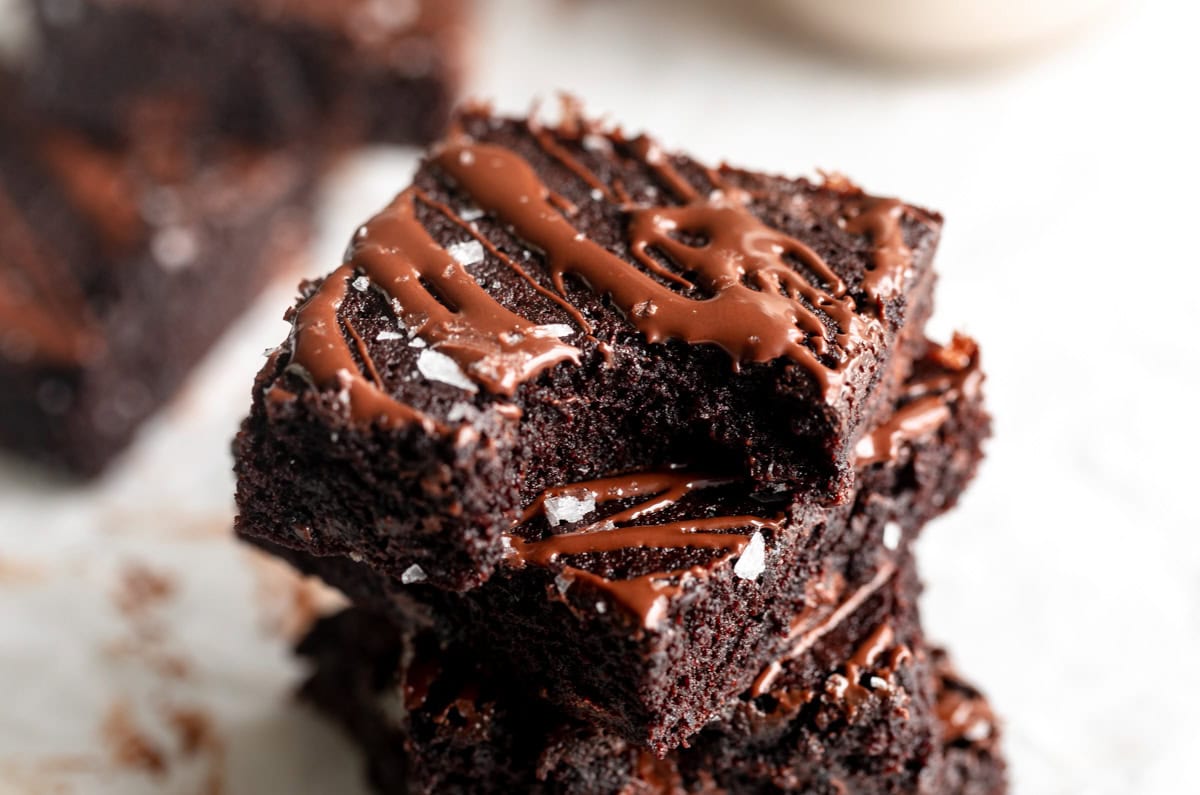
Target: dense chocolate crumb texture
column 653, row 513
column 98, row 244
column 862, row 707
column 534, row 273
column 646, row 601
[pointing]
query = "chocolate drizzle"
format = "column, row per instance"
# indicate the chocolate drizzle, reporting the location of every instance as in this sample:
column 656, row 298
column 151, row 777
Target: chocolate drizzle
column 99, row 186
column 925, row 406
column 965, row 716
column 706, row 271
column 892, row 267
column 644, row 595
column 754, row 304
column 806, row 633
column 495, row 347
column 881, row 640
column 911, row 421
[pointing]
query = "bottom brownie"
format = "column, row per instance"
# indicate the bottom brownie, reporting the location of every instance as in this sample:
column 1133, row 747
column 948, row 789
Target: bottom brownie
column 860, row 706
column 637, row 623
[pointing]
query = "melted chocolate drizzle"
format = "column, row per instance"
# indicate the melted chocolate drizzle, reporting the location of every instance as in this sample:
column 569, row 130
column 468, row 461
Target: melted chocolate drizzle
column 881, row 219
column 756, row 292
column 757, row 306
column 851, row 688
column 646, row 595
column 805, row 633
column 965, row 715
column 495, row 347
column 98, row 185
column 927, row 406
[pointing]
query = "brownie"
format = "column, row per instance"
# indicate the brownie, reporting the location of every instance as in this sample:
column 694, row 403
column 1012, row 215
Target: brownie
column 970, row 733
column 644, row 602
column 120, row 266
column 864, row 707
column 547, row 304
column 268, row 71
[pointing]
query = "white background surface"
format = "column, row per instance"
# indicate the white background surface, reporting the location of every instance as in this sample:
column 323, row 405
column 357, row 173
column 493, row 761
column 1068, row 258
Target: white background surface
column 1068, row 582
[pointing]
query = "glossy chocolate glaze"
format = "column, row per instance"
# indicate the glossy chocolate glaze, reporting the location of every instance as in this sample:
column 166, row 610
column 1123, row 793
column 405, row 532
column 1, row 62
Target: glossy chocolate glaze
column 644, row 595
column 706, row 271
column 923, row 407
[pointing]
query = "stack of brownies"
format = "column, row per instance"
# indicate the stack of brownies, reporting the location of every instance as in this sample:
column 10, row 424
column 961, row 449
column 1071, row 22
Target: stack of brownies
column 620, row 458
column 158, row 160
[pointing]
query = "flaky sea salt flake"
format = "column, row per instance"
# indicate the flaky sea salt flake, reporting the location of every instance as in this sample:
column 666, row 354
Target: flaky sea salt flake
column 462, row 411
column 412, row 574
column 467, row 252
column 568, row 508
column 440, row 367
column 552, row 330
column 891, row 535
column 753, row 561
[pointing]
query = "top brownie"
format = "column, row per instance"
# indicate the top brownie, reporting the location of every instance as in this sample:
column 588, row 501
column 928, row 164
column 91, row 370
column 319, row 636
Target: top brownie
column 262, row 70
column 546, row 304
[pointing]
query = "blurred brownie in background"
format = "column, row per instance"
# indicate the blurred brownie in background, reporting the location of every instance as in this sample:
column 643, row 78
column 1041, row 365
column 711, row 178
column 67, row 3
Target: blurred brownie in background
column 120, row 264
column 261, row 70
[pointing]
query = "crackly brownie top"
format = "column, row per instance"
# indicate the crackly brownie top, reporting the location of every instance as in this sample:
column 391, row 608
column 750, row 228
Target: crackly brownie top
column 75, row 211
column 632, row 543
column 521, row 248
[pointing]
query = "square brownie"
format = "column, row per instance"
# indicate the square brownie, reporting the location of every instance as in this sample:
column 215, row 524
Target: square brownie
column 120, row 266
column 545, row 305
column 863, row 708
column 643, row 603
column 264, row 70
